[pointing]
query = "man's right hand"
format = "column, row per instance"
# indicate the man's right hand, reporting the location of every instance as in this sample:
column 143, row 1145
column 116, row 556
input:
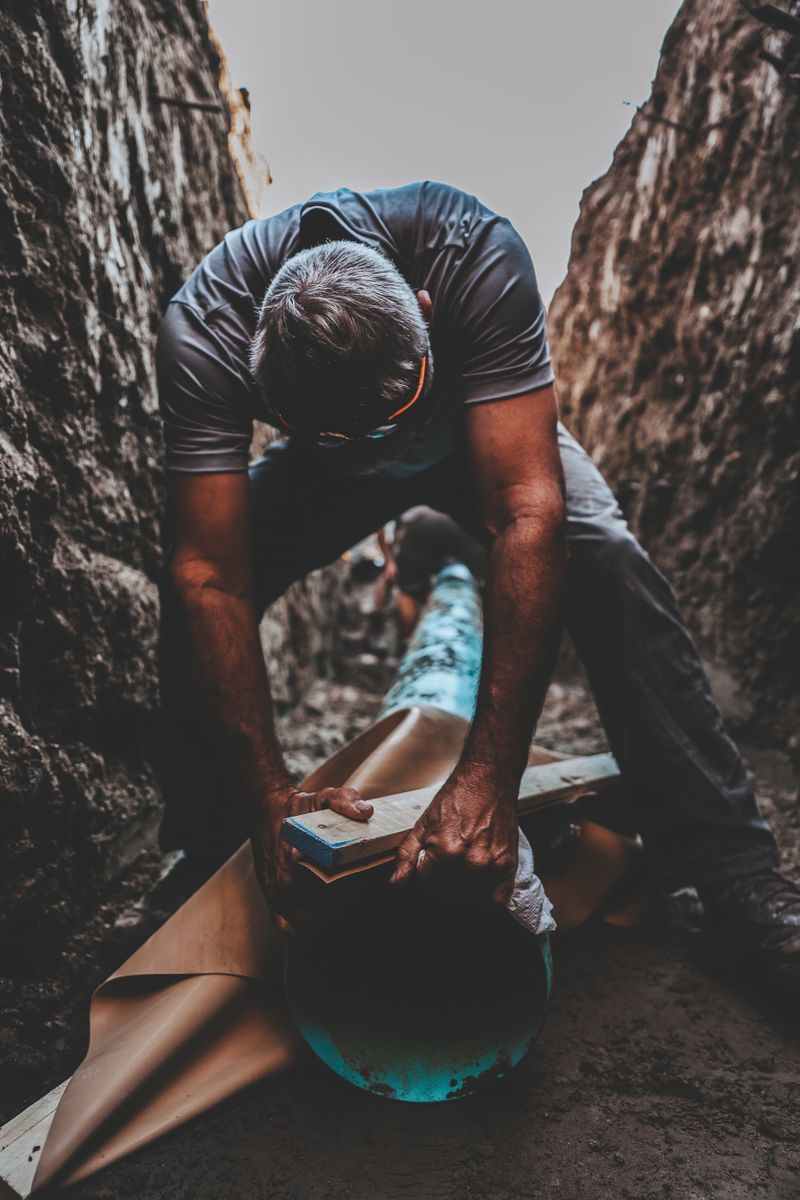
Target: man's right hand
column 275, row 859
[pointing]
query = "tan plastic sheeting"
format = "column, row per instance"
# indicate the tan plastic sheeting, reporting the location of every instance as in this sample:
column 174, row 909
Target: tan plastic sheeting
column 197, row 1013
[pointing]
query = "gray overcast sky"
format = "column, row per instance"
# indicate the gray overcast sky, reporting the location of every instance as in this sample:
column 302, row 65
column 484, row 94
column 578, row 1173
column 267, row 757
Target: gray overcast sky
column 518, row 101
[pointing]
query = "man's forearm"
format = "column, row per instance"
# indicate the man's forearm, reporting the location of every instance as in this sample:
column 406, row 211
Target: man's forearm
column 224, row 650
column 523, row 598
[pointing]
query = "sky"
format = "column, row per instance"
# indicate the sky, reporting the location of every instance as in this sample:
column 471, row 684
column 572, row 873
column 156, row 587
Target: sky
column 520, row 102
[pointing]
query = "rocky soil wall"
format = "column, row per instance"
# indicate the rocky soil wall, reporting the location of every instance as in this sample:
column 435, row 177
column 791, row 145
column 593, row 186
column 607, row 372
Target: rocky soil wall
column 677, row 341
column 110, row 192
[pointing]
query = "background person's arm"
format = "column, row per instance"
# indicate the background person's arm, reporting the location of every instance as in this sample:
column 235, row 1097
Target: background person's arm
column 386, row 579
column 470, row 829
column 212, row 579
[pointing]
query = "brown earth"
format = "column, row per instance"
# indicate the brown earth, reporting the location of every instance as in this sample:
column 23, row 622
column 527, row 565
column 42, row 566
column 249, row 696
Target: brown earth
column 109, row 196
column 677, row 345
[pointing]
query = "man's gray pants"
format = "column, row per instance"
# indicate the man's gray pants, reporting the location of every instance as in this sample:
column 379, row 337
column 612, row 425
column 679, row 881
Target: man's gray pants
column 694, row 807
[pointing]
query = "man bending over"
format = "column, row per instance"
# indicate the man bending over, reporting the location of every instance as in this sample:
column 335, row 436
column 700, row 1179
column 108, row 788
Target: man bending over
column 396, row 340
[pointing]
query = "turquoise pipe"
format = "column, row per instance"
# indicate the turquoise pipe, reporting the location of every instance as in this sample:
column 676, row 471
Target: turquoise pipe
column 442, row 663
column 411, row 1001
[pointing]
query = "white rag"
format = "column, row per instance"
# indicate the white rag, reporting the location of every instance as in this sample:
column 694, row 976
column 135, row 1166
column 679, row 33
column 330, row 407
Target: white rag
column 528, row 903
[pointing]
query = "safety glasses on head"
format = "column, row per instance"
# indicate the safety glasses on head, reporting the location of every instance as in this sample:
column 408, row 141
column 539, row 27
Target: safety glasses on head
column 330, row 440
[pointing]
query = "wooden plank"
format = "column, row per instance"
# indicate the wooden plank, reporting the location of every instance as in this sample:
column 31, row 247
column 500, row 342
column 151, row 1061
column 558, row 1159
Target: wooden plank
column 333, row 842
column 21, row 1141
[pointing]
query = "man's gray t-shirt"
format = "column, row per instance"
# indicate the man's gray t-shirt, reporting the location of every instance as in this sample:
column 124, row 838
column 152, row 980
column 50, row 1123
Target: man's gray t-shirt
column 487, row 331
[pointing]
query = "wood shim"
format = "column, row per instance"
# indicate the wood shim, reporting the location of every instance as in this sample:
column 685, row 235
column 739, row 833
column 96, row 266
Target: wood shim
column 20, row 1142
column 332, row 841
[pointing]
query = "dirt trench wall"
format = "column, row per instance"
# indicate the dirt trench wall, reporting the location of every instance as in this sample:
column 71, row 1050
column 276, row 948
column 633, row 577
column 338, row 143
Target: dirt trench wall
column 108, row 197
column 677, row 342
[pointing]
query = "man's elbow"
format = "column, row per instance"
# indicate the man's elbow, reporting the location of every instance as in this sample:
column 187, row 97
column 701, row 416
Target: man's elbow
column 190, row 576
column 539, row 511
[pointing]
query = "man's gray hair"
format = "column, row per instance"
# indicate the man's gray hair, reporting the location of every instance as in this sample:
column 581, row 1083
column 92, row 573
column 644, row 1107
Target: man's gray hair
column 339, row 339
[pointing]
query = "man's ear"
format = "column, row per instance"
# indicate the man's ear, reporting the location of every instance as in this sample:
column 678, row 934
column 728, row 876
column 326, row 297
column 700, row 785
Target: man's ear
column 425, row 306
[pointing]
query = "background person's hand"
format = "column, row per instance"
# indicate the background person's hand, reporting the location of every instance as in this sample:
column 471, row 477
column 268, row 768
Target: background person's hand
column 466, row 841
column 275, row 859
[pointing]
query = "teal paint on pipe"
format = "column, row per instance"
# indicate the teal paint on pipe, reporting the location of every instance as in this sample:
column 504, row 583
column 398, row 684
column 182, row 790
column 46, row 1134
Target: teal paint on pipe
column 408, row 1001
column 442, row 663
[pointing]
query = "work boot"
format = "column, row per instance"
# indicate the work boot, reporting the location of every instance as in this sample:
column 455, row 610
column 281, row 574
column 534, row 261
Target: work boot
column 752, row 925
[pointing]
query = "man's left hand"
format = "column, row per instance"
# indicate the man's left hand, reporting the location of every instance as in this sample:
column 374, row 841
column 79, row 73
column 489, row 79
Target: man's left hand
column 466, row 840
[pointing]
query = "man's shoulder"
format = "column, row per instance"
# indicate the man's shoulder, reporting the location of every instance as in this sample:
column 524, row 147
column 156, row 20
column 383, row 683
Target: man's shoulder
column 240, row 266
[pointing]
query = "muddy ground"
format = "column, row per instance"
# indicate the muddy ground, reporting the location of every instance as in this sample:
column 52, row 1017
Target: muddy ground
column 652, row 1078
